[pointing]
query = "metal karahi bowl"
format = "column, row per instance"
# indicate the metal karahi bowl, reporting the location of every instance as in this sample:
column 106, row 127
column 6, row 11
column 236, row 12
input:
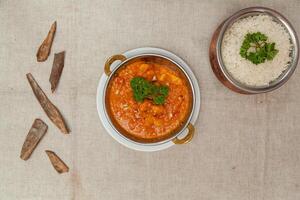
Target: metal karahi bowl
column 175, row 136
column 219, row 68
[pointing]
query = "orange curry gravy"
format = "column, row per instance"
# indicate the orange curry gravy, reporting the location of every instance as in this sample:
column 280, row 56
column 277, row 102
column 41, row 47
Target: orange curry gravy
column 147, row 121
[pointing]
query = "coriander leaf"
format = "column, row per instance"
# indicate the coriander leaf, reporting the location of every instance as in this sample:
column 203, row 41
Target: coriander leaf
column 263, row 50
column 143, row 89
column 159, row 99
column 164, row 90
column 137, row 97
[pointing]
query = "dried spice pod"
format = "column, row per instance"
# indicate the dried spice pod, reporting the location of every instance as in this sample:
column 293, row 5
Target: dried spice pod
column 35, row 134
column 57, row 68
column 50, row 109
column 57, row 163
column 45, row 48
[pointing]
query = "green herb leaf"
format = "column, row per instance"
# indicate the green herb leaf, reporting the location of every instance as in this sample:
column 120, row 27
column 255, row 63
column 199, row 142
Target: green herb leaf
column 159, row 99
column 143, row 89
column 164, row 90
column 256, row 49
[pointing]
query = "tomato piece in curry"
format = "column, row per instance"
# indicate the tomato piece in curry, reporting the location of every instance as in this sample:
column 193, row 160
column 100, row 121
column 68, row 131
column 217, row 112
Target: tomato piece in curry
column 145, row 120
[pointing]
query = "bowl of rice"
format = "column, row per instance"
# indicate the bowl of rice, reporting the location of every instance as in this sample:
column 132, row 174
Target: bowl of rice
column 254, row 51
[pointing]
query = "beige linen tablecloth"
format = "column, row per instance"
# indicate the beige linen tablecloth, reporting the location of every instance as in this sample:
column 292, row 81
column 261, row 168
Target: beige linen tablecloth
column 245, row 148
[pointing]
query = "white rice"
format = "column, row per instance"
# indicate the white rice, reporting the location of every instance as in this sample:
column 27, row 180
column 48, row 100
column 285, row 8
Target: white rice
column 244, row 70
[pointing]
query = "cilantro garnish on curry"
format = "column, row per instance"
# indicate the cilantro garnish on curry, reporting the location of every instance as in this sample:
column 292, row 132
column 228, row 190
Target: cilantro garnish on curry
column 256, row 49
column 143, row 89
